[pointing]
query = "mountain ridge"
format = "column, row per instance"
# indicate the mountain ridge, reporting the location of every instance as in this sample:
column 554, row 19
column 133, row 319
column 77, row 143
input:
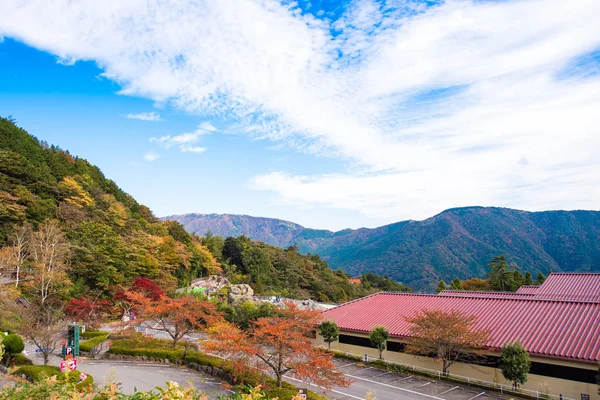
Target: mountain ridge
column 456, row 242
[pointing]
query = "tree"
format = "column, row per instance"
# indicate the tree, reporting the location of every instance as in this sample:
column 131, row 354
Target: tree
column 49, row 250
column 280, row 344
column 378, row 337
column 89, row 310
column 514, row 363
column 20, row 249
column 528, row 279
column 450, row 336
column 1, row 350
column 501, row 276
column 329, row 331
column 441, row 286
column 476, row 284
column 13, row 345
column 175, row 316
column 41, row 326
column 456, row 285
column 540, row 279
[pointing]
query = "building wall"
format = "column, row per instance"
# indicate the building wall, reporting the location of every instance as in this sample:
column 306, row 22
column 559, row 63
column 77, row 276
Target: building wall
column 555, row 386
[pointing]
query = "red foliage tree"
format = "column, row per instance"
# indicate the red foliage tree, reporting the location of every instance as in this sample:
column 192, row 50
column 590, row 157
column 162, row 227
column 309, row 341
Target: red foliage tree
column 89, row 310
column 142, row 286
column 281, row 345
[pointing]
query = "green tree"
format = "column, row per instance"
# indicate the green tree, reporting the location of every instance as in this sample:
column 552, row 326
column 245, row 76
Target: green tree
column 540, row 278
column 379, row 336
column 528, row 278
column 441, row 286
column 329, row 331
column 456, row 284
column 501, row 276
column 518, row 280
column 514, row 363
column 13, row 345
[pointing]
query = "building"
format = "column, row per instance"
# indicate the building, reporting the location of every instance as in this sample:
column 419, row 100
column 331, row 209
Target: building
column 558, row 323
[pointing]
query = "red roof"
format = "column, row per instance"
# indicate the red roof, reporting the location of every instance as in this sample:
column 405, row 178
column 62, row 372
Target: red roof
column 487, row 295
column 563, row 329
column 574, row 286
column 528, row 289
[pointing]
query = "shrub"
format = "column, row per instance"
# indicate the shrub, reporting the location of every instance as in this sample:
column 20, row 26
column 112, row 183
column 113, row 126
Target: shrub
column 93, row 334
column 20, row 359
column 88, row 345
column 36, row 372
column 13, row 345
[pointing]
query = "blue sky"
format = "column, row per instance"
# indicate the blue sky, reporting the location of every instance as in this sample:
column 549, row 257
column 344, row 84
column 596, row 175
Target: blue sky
column 329, row 114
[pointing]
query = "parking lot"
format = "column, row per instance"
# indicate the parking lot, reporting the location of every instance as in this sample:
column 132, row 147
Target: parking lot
column 392, row 385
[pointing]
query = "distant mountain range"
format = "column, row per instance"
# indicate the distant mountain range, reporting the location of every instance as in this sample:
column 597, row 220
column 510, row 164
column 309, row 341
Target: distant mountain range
column 455, row 243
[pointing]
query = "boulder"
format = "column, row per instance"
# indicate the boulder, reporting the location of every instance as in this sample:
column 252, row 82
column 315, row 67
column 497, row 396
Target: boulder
column 240, row 294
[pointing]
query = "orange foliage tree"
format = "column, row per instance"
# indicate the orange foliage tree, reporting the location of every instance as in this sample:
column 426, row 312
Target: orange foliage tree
column 176, row 316
column 280, row 345
column 451, row 336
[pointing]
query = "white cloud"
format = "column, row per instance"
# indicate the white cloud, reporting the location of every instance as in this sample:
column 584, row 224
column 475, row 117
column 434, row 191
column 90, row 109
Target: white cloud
column 146, row 116
column 151, row 156
column 185, row 140
column 192, row 149
column 434, row 107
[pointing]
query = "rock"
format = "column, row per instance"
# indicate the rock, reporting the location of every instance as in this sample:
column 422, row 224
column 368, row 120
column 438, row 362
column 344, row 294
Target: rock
column 240, row 294
column 213, row 283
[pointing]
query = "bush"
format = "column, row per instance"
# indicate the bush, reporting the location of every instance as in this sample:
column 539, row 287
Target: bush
column 88, row 345
column 93, row 334
column 36, row 372
column 20, row 359
column 73, row 377
column 13, row 345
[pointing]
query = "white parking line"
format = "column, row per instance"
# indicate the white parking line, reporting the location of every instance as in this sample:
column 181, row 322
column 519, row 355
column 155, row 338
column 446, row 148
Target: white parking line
column 402, row 379
column 449, row 390
column 476, row 396
column 347, row 365
column 425, row 384
column 331, row 390
column 396, row 387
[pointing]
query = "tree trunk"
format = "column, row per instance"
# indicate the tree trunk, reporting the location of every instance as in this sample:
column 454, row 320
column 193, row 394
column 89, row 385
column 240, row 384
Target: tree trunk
column 17, row 277
column 329, row 345
column 45, row 358
column 278, row 375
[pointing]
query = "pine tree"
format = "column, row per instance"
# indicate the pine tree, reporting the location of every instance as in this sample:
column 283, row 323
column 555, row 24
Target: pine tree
column 528, row 278
column 441, row 286
column 456, row 284
column 540, row 278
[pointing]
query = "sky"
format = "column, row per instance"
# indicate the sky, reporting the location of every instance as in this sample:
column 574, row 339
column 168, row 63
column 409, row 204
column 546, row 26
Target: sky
column 331, row 114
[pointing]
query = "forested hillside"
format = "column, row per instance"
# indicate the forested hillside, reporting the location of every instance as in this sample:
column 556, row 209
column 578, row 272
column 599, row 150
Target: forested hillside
column 455, row 243
column 58, row 210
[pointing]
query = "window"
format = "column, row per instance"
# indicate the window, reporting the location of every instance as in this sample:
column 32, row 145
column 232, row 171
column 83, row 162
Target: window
column 562, row 372
column 356, row 341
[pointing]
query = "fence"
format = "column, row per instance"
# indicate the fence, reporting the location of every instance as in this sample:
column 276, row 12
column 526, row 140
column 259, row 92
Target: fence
column 504, row 389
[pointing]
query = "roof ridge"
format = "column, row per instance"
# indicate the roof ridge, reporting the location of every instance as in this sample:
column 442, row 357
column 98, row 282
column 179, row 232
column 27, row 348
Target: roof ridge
column 524, row 298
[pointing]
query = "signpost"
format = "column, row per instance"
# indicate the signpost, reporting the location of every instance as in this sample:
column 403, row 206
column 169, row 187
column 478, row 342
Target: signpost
column 303, row 393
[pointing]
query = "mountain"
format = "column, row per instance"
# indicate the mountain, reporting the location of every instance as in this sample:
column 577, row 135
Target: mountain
column 455, row 243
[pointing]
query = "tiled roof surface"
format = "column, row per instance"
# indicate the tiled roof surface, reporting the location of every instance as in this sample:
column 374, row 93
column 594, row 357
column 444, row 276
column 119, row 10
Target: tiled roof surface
column 528, row 289
column 487, row 295
column 574, row 286
column 565, row 329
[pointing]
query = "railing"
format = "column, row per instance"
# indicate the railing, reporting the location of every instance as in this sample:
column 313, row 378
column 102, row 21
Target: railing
column 504, row 389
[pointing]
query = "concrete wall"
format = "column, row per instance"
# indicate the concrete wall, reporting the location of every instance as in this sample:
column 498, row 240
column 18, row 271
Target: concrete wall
column 555, row 386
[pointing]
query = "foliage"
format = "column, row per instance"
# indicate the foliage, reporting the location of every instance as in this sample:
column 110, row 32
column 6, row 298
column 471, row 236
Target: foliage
column 540, row 278
column 20, row 359
column 514, row 363
column 503, row 276
column 450, row 336
column 456, row 284
column 13, row 345
column 528, row 280
column 441, row 286
column 36, row 372
column 88, row 345
column 378, row 337
column 89, row 310
column 476, row 284
column 377, row 282
column 1, row 350
column 329, row 331
column 109, row 239
column 175, row 316
column 92, row 334
column 245, row 313
column 280, row 344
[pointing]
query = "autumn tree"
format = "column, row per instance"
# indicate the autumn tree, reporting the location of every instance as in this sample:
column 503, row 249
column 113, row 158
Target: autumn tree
column 329, row 331
column 476, row 284
column 89, row 310
column 49, row 249
column 281, row 345
column 514, row 363
column 378, row 337
column 177, row 317
column 450, row 336
column 41, row 325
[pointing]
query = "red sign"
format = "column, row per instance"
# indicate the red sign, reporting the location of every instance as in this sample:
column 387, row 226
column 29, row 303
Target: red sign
column 72, row 364
column 82, row 377
column 63, row 366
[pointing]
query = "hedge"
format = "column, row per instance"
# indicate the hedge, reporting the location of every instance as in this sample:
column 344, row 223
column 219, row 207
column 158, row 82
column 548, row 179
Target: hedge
column 93, row 334
column 20, row 359
column 35, row 372
column 163, row 349
column 88, row 345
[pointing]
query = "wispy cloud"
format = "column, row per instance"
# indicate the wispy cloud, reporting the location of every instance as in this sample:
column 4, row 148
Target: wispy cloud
column 146, row 116
column 185, row 140
column 404, row 92
column 151, row 156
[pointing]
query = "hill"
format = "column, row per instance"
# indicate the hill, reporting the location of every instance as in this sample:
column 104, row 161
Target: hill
column 106, row 238
column 455, row 243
